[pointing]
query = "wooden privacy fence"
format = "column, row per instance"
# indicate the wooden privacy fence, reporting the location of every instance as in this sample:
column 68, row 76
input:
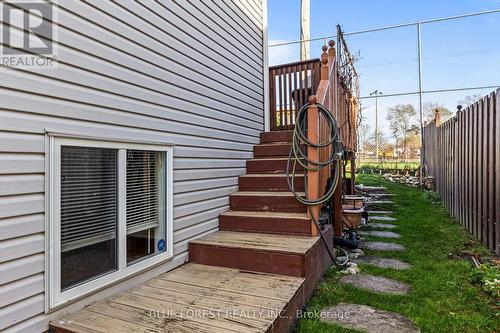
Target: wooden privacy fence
column 463, row 155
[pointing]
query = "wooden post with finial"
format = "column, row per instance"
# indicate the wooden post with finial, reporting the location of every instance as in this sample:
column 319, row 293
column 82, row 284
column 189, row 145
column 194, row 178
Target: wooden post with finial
column 332, row 71
column 331, row 49
column 313, row 154
column 337, row 194
column 324, row 63
column 322, row 124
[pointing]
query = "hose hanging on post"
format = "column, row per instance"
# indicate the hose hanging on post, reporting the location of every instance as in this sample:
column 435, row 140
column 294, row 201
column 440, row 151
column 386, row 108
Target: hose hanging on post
column 300, row 157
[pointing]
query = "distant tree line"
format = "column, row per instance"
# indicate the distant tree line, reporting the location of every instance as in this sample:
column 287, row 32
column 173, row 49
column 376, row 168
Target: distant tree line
column 404, row 125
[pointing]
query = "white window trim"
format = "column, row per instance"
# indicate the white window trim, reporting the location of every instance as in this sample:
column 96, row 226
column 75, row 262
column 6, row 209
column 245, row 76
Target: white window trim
column 55, row 298
column 265, row 56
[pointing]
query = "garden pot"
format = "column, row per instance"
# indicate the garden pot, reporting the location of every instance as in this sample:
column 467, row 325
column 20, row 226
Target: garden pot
column 353, row 201
column 351, row 217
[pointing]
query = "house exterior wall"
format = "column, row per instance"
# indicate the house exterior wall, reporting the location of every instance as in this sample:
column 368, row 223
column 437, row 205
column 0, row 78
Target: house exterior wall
column 179, row 71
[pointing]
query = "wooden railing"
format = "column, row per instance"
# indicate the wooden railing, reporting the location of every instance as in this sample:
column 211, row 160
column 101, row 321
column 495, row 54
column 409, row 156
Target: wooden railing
column 332, row 94
column 318, row 130
column 290, row 86
column 316, row 81
column 463, row 155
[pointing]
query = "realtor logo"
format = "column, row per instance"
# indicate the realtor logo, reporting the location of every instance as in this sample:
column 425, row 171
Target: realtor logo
column 28, row 33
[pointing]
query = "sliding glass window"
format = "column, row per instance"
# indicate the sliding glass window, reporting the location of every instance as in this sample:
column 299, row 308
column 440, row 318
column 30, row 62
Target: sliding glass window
column 145, row 197
column 111, row 212
column 89, row 213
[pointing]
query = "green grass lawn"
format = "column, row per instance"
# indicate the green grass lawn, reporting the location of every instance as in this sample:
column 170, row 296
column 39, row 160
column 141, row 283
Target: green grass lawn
column 442, row 298
column 373, row 165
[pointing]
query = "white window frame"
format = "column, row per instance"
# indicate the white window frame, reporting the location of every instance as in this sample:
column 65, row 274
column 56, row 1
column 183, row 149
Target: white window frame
column 56, row 297
column 265, row 64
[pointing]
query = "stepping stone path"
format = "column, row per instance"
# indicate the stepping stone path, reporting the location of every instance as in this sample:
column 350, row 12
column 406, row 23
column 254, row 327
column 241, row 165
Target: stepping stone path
column 378, row 284
column 381, row 226
column 383, row 262
column 362, row 317
column 378, row 212
column 368, row 319
column 381, row 218
column 382, row 246
column 378, row 233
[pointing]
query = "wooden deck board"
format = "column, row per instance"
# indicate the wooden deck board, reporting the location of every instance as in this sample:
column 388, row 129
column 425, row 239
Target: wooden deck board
column 200, row 301
column 239, row 284
column 267, row 175
column 267, row 194
column 283, row 215
column 213, row 293
column 191, row 298
column 269, row 242
column 188, row 312
column 233, row 273
column 139, row 316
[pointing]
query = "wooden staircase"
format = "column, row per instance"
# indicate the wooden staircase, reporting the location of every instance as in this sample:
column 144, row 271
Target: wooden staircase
column 267, row 254
column 266, row 229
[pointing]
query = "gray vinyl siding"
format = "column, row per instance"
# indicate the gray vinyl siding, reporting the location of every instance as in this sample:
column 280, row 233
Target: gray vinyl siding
column 189, row 72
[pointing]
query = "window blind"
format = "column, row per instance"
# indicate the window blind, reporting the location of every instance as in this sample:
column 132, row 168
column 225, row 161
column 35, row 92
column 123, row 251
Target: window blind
column 142, row 190
column 88, row 196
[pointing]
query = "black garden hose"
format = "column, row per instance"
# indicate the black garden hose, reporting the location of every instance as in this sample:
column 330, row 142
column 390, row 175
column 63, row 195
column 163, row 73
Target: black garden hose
column 300, row 157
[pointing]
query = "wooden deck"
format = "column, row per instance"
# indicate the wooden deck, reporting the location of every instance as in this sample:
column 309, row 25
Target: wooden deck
column 195, row 298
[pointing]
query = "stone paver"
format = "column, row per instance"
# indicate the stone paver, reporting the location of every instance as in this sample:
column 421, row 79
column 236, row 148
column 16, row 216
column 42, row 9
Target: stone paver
column 380, row 195
column 371, row 188
column 381, row 218
column 379, row 233
column 381, row 226
column 380, row 202
column 368, row 319
column 378, row 284
column 382, row 246
column 383, row 262
column 378, row 212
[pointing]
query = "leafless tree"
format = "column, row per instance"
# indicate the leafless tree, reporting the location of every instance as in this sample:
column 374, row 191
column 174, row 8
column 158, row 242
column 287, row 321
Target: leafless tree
column 400, row 119
column 430, row 110
column 468, row 100
column 363, row 134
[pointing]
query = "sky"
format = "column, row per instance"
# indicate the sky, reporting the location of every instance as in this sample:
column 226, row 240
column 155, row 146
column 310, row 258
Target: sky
column 456, row 54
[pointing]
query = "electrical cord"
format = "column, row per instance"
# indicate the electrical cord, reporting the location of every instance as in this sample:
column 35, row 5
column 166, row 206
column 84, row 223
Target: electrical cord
column 298, row 156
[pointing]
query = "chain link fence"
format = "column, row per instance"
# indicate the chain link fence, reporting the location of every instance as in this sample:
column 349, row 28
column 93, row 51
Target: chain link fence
column 406, row 73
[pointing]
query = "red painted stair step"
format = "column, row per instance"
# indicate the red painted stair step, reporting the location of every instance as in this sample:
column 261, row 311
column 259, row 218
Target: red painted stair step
column 266, row 202
column 266, row 222
column 269, row 182
column 276, row 136
column 269, row 165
